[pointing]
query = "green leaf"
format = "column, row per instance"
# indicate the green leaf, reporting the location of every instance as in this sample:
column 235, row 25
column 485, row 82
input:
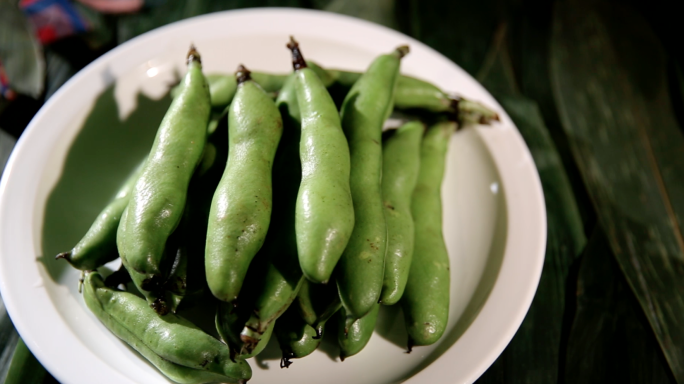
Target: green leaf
column 608, row 75
column 610, row 341
column 533, row 356
column 6, row 145
column 59, row 70
column 460, row 30
column 20, row 53
column 168, row 11
column 529, row 27
column 24, row 369
column 379, row 11
column 101, row 30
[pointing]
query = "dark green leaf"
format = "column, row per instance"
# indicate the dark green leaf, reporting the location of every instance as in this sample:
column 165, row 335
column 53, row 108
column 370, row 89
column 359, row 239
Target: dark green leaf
column 166, row 12
column 497, row 73
column 460, row 30
column 24, row 369
column 534, row 354
column 676, row 86
column 529, row 27
column 20, row 52
column 6, row 145
column 59, row 70
column 611, row 341
column 379, row 11
column 608, row 72
column 101, row 32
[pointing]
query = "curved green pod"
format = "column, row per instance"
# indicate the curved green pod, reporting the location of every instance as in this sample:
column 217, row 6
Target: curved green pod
column 222, row 87
column 426, row 298
column 353, row 337
column 243, row 342
column 98, row 245
column 296, row 338
column 274, row 276
column 158, row 199
column 411, row 93
column 317, row 303
column 360, row 270
column 241, row 207
column 324, row 213
column 180, row 350
column 187, row 277
column 400, row 164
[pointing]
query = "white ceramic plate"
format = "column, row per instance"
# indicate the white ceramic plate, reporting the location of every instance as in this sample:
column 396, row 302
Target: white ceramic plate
column 494, row 217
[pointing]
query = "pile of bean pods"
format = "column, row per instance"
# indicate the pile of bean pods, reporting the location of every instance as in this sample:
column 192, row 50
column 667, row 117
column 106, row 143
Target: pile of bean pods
column 299, row 210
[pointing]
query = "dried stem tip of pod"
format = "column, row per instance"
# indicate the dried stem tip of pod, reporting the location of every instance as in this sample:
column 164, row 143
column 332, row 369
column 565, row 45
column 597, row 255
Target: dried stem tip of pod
column 63, row 255
column 409, row 346
column 285, row 362
column 298, row 61
column 403, row 50
column 193, row 55
column 242, row 74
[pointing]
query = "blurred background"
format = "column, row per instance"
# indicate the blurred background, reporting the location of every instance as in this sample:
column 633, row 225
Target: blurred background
column 596, row 89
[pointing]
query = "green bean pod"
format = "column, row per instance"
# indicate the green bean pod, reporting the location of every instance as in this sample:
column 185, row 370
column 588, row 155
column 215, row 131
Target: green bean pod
column 426, row 298
column 296, row 338
column 180, row 350
column 324, row 213
column 411, row 93
column 175, row 286
column 276, row 276
column 317, row 303
column 158, row 199
column 243, row 342
column 187, row 278
column 353, row 337
column 367, row 105
column 255, row 342
column 98, row 245
column 400, row 164
column 241, row 207
column 222, row 87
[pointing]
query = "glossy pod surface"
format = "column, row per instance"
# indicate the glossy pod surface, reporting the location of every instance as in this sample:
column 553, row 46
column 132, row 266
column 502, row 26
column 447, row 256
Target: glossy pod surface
column 98, row 245
column 222, row 87
column 243, row 342
column 158, row 198
column 426, row 298
column 296, row 338
column 241, row 207
column 317, row 303
column 411, row 92
column 180, row 350
column 324, row 216
column 274, row 277
column 360, row 270
column 400, row 164
column 353, row 337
